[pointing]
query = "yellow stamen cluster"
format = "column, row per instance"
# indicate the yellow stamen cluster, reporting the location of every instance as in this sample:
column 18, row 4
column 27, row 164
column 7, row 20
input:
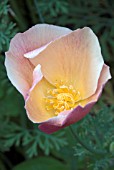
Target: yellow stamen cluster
column 62, row 98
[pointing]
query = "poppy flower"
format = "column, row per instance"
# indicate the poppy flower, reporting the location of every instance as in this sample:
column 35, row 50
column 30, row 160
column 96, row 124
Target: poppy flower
column 60, row 73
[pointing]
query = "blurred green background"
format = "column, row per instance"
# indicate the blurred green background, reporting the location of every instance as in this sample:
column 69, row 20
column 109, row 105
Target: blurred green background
column 22, row 145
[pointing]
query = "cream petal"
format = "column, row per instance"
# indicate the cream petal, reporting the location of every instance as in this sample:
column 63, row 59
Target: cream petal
column 35, row 104
column 75, row 58
column 104, row 77
column 69, row 117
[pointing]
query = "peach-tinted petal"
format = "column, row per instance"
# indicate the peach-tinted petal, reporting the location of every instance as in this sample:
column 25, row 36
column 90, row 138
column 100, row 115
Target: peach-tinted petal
column 75, row 59
column 35, row 103
column 69, row 117
column 19, row 71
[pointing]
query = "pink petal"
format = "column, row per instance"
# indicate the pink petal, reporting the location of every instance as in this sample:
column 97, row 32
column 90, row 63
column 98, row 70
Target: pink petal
column 40, row 36
column 35, row 52
column 69, row 117
column 19, row 69
column 65, row 119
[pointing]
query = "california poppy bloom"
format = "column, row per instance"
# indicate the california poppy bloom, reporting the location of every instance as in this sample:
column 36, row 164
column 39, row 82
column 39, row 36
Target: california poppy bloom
column 60, row 73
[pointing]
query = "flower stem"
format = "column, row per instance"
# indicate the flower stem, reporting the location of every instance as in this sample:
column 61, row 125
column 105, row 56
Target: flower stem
column 87, row 147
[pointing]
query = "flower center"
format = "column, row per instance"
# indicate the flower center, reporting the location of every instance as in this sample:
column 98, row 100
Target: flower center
column 62, row 98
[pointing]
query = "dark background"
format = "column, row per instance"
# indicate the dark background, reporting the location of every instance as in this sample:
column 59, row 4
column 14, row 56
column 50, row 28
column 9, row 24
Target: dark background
column 22, row 145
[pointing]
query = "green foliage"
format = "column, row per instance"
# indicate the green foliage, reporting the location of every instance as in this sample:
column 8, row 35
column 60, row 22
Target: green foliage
column 53, row 7
column 6, row 26
column 40, row 163
column 93, row 131
column 31, row 139
column 17, row 133
column 4, row 7
column 102, row 164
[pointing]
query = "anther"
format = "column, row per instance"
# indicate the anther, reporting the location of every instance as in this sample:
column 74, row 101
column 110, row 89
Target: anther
column 62, row 98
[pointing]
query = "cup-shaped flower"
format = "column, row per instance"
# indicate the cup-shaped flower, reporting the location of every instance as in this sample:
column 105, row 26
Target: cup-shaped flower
column 60, row 73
